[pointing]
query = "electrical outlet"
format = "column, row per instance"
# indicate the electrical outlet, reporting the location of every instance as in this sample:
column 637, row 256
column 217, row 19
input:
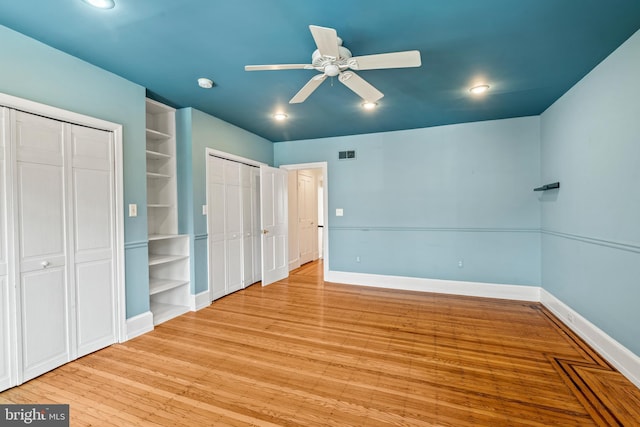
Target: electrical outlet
column 570, row 317
column 357, row 259
column 460, row 264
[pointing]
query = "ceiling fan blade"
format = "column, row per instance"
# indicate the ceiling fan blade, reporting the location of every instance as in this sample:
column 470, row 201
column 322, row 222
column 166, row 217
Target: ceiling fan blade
column 410, row 58
column 308, row 89
column 278, row 67
column 327, row 41
column 360, row 86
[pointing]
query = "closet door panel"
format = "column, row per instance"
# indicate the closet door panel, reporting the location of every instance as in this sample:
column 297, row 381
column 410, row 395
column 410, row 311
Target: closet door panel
column 233, row 234
column 5, row 374
column 247, row 227
column 41, row 215
column 217, row 263
column 38, row 139
column 92, row 205
column 95, row 300
column 92, row 201
column 5, row 344
column 216, row 227
column 255, row 224
column 233, row 225
column 45, row 341
column 43, row 288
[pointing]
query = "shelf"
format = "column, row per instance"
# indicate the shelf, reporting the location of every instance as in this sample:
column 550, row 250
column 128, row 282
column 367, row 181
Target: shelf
column 546, row 187
column 155, row 135
column 155, row 155
column 166, row 236
column 159, row 205
column 157, row 286
column 163, row 312
column 154, row 175
column 155, row 259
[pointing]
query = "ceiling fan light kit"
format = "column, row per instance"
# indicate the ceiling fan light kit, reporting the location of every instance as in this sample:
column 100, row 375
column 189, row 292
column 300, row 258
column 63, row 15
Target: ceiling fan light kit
column 332, row 59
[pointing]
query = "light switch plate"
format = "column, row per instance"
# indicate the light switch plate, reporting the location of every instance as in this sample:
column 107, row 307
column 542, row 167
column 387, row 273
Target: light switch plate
column 204, row 209
column 133, row 210
column 339, row 212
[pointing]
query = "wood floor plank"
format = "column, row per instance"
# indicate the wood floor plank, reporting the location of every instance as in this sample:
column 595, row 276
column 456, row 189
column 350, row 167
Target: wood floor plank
column 304, row 352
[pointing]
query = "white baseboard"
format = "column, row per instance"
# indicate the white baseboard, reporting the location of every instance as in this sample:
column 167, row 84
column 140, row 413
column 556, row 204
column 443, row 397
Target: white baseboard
column 294, row 263
column 140, row 324
column 475, row 289
column 623, row 359
column 200, row 301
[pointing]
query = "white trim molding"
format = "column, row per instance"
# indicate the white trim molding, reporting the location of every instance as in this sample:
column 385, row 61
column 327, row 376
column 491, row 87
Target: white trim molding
column 139, row 325
column 623, row 359
column 200, row 301
column 454, row 287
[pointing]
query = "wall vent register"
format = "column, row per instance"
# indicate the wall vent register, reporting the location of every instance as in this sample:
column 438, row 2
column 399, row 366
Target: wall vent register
column 347, row 155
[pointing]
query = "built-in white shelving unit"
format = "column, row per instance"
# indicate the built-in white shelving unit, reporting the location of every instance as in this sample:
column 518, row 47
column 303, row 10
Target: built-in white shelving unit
column 168, row 251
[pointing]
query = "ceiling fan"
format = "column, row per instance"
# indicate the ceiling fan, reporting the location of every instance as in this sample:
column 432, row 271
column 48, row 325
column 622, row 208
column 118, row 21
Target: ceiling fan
column 332, row 59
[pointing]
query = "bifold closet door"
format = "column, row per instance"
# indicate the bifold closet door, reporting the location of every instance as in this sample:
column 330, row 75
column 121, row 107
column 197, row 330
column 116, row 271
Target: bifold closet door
column 5, row 369
column 64, row 213
column 216, row 228
column 42, row 253
column 233, row 226
column 92, row 200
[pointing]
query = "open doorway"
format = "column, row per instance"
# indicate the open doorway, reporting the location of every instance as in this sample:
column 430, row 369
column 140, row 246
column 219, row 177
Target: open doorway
column 308, row 195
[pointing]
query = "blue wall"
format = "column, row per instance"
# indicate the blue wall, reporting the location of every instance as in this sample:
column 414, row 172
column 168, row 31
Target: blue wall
column 417, row 202
column 196, row 132
column 591, row 225
column 34, row 71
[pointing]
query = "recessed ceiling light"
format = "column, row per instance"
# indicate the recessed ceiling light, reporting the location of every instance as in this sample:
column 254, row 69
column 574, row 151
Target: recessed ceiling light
column 479, row 89
column 205, row 83
column 369, row 105
column 280, row 116
column 101, row 4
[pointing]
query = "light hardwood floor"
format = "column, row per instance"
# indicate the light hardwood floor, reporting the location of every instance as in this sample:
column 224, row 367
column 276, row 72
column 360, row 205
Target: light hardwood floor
column 302, row 352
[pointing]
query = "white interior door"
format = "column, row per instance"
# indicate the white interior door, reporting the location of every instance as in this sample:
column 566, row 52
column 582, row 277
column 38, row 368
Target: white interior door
column 273, row 220
column 92, row 205
column 307, row 212
column 42, row 285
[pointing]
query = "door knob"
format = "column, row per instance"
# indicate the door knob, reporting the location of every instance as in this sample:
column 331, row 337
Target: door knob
column 265, row 231
column 44, row 264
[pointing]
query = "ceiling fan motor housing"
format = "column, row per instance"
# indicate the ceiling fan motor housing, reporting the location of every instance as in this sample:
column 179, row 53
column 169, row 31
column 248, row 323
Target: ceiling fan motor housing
column 319, row 62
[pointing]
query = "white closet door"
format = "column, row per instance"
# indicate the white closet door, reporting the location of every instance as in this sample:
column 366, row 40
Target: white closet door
column 92, row 199
column 42, row 285
column 255, row 225
column 247, row 226
column 273, row 218
column 5, row 372
column 215, row 227
column 233, row 225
